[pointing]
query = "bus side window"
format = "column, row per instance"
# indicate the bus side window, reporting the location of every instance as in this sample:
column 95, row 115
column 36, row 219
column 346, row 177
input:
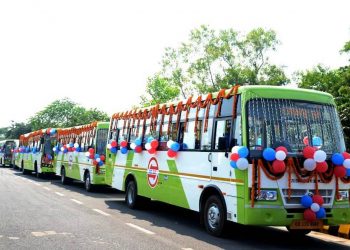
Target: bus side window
column 188, row 137
column 206, row 136
column 222, row 134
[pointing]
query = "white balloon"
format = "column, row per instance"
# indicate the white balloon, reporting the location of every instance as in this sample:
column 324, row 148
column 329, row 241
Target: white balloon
column 87, row 154
column 109, row 146
column 315, row 207
column 76, row 145
column 68, row 146
column 320, row 156
column 310, row 164
column 234, row 150
column 281, row 155
column 62, row 149
column 133, row 145
column 346, row 163
column 168, row 144
column 242, row 163
column 98, row 159
column 148, row 146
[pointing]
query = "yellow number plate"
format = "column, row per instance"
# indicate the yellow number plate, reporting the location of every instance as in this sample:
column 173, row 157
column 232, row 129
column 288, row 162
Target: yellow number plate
column 304, row 224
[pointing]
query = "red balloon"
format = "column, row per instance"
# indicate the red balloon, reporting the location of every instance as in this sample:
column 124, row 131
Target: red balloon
column 309, row 152
column 48, row 131
column 91, row 156
column 102, row 157
column 94, row 162
column 154, row 143
column 172, row 153
column 70, row 149
column 113, row 144
column 152, row 151
column 138, row 149
column 309, row 215
column 124, row 144
column 91, row 151
column 73, row 149
column 284, row 149
column 340, row 171
column 234, row 157
column 278, row 167
column 306, row 140
column 318, row 199
column 321, row 167
column 346, row 155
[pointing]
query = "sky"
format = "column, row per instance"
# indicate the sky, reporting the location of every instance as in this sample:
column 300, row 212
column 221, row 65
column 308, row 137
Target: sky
column 100, row 53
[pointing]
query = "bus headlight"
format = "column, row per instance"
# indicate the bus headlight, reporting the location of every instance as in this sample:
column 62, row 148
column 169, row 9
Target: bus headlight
column 267, row 195
column 343, row 195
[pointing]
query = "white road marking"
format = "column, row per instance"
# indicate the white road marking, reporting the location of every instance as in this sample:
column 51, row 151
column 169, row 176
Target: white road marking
column 100, row 212
column 38, row 234
column 76, row 201
column 1, row 236
column 140, row 228
column 38, row 184
column 184, row 248
column 31, row 181
column 13, row 238
column 58, row 193
column 50, row 232
column 48, row 189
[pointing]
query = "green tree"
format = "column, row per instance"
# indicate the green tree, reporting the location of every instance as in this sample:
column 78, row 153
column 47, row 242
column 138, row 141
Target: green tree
column 65, row 113
column 211, row 60
column 16, row 129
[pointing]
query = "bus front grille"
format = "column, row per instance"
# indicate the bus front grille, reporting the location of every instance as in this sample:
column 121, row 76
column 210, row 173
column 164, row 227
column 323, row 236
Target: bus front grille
column 296, row 194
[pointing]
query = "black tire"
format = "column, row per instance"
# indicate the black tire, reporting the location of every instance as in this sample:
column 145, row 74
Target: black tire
column 64, row 179
column 87, row 182
column 24, row 171
column 298, row 232
column 131, row 197
column 37, row 174
column 1, row 165
column 214, row 215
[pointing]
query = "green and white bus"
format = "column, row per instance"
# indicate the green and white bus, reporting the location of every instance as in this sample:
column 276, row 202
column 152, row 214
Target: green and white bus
column 7, row 148
column 35, row 152
column 254, row 155
column 80, row 154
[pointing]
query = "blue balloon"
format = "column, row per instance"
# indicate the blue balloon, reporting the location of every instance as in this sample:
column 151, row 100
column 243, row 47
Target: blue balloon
column 34, row 150
column 321, row 213
column 175, row 146
column 348, row 172
column 71, row 144
column 97, row 156
column 49, row 157
column 52, row 131
column 114, row 150
column 337, row 159
column 100, row 163
column 306, row 201
column 269, row 154
column 138, row 142
column 78, row 149
column 124, row 150
column 243, row 152
column 150, row 139
column 233, row 164
column 316, row 141
column 65, row 150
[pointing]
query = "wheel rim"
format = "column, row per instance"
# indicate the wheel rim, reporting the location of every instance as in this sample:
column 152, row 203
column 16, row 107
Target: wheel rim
column 213, row 216
column 131, row 192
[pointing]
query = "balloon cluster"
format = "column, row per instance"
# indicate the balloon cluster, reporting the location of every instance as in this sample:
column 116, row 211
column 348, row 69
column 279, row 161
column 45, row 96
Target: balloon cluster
column 342, row 164
column 315, row 159
column 238, row 158
column 112, row 147
column 136, row 146
column 124, row 147
column 313, row 205
column 277, row 156
column 35, row 150
column 90, row 154
column 174, row 147
column 49, row 157
column 51, row 131
column 151, row 145
column 98, row 160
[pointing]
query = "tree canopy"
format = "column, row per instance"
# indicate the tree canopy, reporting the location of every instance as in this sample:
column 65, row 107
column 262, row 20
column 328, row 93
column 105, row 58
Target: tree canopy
column 211, row 60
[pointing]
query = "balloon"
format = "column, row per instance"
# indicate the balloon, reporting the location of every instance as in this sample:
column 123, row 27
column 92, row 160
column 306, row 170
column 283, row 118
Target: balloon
column 100, row 163
column 52, row 131
column 78, row 149
column 278, row 166
column 49, row 156
column 337, row 159
column 309, row 164
column 315, row 207
column 113, row 144
column 65, row 150
column 175, row 146
column 138, row 149
column 269, row 154
column 348, row 172
column 73, row 149
column 48, row 131
column 62, row 149
column 154, row 143
column 346, row 155
column 68, row 145
column 102, row 157
column 54, row 149
column 94, row 162
column 71, row 144
column 124, row 150
column 96, row 156
column 113, row 150
column 346, row 163
column 169, row 143
column 242, row 163
column 306, row 201
column 109, row 146
column 152, row 151
column 91, row 156
column 281, row 148
column 138, row 142
column 235, row 149
column 91, row 150
column 233, row 164
column 234, row 157
column 320, row 156
column 281, row 155
column 321, row 167
column 124, row 144
column 172, row 153
column 316, row 141
column 340, row 171
column 306, row 140
column 132, row 145
column 318, row 199
column 321, row 213
column 98, row 159
column 309, row 215
column 243, row 152
column 148, row 146
column 87, row 154
column 76, row 145
column 150, row 139
column 309, row 152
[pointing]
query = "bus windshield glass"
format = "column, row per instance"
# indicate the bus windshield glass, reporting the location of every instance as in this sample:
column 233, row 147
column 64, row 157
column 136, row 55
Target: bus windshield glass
column 293, row 124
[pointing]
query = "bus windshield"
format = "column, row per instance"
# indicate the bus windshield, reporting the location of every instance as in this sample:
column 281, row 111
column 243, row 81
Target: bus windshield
column 294, row 124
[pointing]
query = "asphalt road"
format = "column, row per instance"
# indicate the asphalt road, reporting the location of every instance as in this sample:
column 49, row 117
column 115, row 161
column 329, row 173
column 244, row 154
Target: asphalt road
column 43, row 214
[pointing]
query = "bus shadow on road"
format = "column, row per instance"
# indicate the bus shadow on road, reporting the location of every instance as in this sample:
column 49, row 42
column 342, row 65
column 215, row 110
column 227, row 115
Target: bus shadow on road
column 186, row 222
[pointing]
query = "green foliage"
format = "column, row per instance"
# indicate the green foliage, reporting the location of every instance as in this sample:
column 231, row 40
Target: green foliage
column 17, row 129
column 211, row 60
column 65, row 113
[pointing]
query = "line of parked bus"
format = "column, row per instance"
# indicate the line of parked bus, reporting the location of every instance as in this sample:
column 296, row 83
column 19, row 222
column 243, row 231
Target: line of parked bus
column 255, row 155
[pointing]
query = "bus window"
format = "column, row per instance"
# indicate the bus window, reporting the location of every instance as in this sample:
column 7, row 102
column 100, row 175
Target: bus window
column 222, row 134
column 188, row 137
column 101, row 139
column 206, row 136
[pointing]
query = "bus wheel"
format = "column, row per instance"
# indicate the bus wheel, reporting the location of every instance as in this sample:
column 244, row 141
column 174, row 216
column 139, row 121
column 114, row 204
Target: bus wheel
column 214, row 219
column 24, row 171
column 64, row 180
column 87, row 182
column 37, row 174
column 131, row 197
column 298, row 232
column 1, row 165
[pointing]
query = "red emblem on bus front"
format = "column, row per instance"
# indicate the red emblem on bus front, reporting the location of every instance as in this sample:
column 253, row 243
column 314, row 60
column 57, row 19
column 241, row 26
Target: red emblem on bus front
column 152, row 172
